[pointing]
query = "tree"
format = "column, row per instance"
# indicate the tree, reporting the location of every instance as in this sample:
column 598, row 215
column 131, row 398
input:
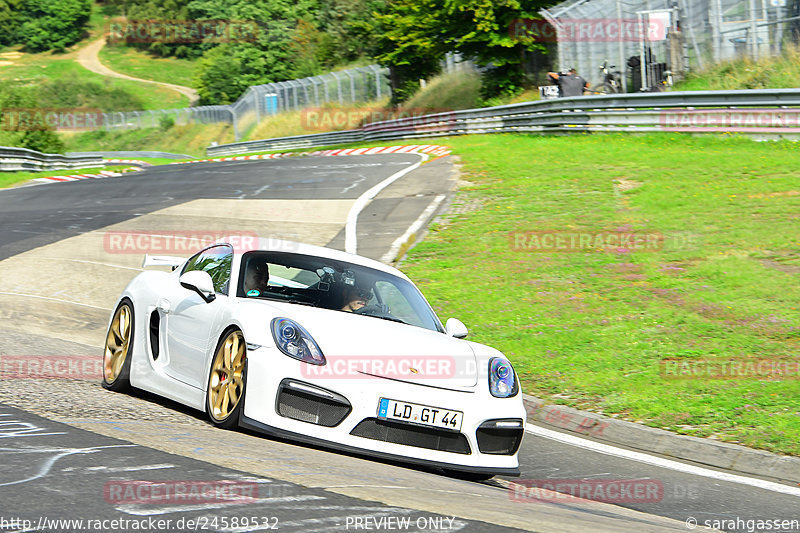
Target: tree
column 9, row 20
column 263, row 58
column 418, row 33
column 52, row 24
column 407, row 43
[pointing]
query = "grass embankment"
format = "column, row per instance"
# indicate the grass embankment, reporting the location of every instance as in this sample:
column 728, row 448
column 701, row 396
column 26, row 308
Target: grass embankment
column 592, row 328
column 65, row 83
column 455, row 90
column 191, row 140
column 780, row 72
column 195, row 138
column 460, row 90
column 139, row 64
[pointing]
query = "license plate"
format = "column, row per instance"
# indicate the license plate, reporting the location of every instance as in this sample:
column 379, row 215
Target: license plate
column 420, row 414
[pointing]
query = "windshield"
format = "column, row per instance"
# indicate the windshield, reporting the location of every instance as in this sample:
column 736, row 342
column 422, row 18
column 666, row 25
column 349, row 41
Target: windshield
column 334, row 285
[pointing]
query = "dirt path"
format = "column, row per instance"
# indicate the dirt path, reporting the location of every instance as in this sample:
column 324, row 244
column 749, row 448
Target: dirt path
column 88, row 59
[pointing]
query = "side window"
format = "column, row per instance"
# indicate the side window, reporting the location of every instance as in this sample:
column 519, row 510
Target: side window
column 217, row 261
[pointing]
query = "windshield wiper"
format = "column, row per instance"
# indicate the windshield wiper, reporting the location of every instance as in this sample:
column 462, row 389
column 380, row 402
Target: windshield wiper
column 392, row 318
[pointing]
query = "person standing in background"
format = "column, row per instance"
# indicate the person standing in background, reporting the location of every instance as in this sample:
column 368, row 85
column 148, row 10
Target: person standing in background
column 569, row 84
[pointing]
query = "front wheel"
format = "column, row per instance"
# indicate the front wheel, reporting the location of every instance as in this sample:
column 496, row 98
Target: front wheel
column 603, row 88
column 226, row 381
column 119, row 346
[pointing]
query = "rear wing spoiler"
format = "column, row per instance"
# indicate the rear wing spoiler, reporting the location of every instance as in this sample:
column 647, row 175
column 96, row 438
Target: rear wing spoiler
column 162, row 260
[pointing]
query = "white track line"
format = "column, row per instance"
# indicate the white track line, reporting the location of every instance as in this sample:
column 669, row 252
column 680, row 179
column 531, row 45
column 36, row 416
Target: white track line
column 659, row 461
column 350, row 239
column 54, row 300
column 412, row 229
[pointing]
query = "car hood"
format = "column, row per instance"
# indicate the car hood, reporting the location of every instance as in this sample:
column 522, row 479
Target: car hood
column 360, row 347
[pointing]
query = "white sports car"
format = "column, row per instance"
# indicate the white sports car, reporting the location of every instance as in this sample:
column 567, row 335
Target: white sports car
column 319, row 346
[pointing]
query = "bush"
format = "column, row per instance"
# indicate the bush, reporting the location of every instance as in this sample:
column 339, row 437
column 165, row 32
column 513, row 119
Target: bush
column 166, row 122
column 46, row 141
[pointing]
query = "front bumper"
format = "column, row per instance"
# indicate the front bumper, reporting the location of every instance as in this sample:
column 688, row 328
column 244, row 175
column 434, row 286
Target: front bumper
column 360, row 431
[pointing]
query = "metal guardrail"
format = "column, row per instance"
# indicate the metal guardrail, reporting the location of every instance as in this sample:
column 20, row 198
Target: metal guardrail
column 758, row 113
column 128, row 154
column 16, row 159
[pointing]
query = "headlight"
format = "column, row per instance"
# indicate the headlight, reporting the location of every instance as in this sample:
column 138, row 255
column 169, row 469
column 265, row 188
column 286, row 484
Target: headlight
column 296, row 342
column 502, row 379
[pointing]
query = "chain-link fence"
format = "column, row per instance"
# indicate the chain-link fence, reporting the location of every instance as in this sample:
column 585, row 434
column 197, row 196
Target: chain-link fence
column 649, row 41
column 361, row 84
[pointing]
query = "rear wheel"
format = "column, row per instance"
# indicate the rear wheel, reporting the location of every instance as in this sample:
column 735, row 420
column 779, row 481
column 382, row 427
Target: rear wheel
column 119, row 346
column 226, row 381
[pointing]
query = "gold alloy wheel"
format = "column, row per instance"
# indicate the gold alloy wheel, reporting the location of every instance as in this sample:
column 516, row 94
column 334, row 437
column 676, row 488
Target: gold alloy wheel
column 118, row 342
column 225, row 385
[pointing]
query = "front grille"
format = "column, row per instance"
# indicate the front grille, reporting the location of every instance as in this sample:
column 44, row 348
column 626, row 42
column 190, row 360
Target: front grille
column 313, row 405
column 411, row 435
column 495, row 440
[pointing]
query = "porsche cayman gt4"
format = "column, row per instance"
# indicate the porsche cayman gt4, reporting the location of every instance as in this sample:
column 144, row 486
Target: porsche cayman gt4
column 319, row 346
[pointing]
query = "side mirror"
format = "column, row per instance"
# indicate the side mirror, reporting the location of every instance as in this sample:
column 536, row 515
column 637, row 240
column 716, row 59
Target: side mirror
column 200, row 282
column 455, row 328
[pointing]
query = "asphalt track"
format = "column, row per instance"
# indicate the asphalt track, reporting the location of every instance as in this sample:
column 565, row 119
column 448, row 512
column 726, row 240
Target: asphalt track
column 107, row 433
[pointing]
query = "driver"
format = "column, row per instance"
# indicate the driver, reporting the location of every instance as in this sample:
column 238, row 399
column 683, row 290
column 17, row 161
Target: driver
column 256, row 279
column 355, row 298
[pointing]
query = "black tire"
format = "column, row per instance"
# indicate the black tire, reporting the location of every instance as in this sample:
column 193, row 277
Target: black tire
column 119, row 348
column 220, row 377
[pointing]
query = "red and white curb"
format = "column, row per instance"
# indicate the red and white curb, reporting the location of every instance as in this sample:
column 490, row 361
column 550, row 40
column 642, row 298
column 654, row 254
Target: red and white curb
column 431, row 149
column 239, row 158
column 77, row 177
column 136, row 162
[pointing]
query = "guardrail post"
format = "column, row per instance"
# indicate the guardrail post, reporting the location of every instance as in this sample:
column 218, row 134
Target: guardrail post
column 338, row 87
column 377, row 71
column 352, row 86
column 235, row 125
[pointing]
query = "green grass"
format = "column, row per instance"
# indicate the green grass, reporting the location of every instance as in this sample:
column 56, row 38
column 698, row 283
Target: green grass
column 590, row 329
column 768, row 73
column 189, row 140
column 109, row 94
column 140, row 64
column 10, row 179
